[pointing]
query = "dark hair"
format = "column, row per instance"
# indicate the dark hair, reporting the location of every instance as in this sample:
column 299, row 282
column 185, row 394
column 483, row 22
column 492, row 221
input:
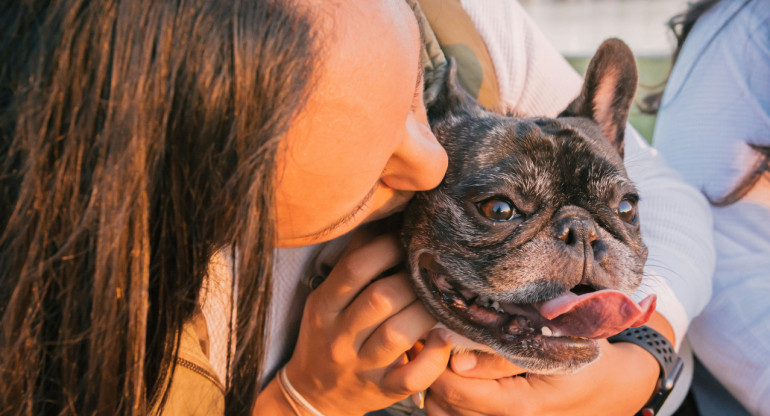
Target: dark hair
column 761, row 168
column 136, row 139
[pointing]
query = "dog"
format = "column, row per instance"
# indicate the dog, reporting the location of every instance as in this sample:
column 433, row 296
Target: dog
column 531, row 245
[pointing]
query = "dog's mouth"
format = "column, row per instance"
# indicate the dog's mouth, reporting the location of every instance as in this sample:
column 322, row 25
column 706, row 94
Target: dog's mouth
column 570, row 321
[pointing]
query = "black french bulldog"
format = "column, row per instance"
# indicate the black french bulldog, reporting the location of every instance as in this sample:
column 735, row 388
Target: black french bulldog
column 531, row 245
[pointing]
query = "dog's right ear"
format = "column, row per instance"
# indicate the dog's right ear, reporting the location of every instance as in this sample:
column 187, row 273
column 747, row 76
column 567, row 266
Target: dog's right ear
column 452, row 98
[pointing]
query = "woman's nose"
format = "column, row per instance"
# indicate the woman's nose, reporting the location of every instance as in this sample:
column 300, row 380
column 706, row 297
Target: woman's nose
column 419, row 163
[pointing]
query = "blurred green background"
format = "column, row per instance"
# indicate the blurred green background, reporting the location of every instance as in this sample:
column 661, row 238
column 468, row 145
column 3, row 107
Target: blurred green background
column 576, row 28
column 653, row 72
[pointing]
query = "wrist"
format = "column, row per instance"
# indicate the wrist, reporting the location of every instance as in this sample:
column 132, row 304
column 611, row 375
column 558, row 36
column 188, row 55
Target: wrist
column 273, row 402
column 669, row 364
column 659, row 323
column 641, row 372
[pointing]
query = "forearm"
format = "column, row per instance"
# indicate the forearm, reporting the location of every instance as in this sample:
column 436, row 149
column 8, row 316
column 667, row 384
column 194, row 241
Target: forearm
column 632, row 369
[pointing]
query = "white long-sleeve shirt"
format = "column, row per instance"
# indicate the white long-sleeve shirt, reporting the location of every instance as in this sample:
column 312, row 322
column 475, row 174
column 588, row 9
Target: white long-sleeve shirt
column 717, row 102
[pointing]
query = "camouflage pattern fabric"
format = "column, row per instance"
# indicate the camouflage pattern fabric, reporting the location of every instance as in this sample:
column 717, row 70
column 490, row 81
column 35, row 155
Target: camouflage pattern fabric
column 449, row 32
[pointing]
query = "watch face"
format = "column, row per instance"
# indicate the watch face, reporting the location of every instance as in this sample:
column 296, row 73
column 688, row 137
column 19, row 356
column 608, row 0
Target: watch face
column 674, row 374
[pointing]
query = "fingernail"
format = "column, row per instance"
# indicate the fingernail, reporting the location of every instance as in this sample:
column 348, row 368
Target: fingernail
column 463, row 362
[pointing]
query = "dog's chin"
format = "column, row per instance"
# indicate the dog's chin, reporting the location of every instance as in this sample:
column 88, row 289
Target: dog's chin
column 535, row 364
column 515, row 331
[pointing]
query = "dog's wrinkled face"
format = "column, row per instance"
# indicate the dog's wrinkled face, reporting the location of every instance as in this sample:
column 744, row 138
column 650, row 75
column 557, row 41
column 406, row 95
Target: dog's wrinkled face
column 531, row 244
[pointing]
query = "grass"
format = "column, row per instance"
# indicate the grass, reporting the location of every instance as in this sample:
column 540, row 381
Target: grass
column 653, row 72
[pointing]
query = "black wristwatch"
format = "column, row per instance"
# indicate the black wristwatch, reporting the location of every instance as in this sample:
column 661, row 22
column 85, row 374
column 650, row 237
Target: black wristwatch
column 670, row 363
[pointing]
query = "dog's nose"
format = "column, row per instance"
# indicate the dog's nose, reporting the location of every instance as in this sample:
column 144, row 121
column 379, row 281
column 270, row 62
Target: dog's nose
column 580, row 234
column 575, row 231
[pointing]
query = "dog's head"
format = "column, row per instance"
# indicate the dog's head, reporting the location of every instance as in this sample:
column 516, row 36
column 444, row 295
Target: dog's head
column 531, row 244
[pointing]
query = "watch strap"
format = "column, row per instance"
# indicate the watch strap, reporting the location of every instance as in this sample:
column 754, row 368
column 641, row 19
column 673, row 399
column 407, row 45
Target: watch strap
column 660, row 348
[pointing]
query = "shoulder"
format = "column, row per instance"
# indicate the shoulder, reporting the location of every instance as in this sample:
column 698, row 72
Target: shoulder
column 730, row 41
column 195, row 388
column 716, row 100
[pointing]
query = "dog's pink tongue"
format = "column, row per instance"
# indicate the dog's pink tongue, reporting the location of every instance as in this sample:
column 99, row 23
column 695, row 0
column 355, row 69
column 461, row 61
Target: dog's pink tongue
column 599, row 314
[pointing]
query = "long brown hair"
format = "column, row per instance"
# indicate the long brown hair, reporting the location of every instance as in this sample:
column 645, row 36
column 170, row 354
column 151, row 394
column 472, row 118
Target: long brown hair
column 136, row 139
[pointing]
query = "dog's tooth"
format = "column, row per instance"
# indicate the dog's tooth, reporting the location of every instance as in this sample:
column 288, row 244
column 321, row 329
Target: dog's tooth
column 546, row 331
column 496, row 306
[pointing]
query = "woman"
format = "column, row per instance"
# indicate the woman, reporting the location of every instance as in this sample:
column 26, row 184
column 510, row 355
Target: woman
column 713, row 127
column 141, row 139
column 138, row 137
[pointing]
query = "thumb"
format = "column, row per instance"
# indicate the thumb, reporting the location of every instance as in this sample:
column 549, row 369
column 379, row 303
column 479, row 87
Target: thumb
column 483, row 365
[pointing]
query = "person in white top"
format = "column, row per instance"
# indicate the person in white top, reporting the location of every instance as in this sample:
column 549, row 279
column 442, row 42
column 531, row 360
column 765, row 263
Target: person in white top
column 713, row 127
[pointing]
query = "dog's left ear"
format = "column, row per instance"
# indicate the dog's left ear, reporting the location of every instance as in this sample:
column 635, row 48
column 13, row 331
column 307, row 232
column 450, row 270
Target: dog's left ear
column 608, row 90
column 452, row 99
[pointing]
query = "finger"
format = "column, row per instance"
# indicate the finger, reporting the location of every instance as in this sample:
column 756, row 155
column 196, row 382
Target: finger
column 397, row 334
column 433, row 408
column 481, row 395
column 379, row 301
column 483, row 365
column 418, row 374
column 359, row 238
column 356, row 270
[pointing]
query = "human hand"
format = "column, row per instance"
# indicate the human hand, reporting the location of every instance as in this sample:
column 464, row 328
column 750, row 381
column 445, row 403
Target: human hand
column 619, row 383
column 350, row 355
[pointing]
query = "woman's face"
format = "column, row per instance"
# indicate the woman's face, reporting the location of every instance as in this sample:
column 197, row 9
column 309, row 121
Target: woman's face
column 362, row 145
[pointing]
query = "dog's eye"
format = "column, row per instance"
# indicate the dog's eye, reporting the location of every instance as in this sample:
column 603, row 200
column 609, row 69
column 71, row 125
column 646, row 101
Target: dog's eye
column 497, row 209
column 627, row 211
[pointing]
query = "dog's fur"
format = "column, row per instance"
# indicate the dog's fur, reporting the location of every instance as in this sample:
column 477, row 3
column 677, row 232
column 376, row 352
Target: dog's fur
column 564, row 177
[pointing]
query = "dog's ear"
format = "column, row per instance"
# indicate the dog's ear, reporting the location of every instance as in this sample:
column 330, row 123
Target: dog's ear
column 452, row 99
column 608, row 90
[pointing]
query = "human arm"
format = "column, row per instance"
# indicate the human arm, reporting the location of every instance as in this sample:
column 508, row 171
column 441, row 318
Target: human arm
column 353, row 336
column 717, row 103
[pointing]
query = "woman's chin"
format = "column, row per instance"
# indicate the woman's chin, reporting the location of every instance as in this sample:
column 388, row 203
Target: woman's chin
column 385, row 203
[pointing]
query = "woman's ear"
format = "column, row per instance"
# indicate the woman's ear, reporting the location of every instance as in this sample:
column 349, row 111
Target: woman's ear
column 608, row 90
column 452, row 99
